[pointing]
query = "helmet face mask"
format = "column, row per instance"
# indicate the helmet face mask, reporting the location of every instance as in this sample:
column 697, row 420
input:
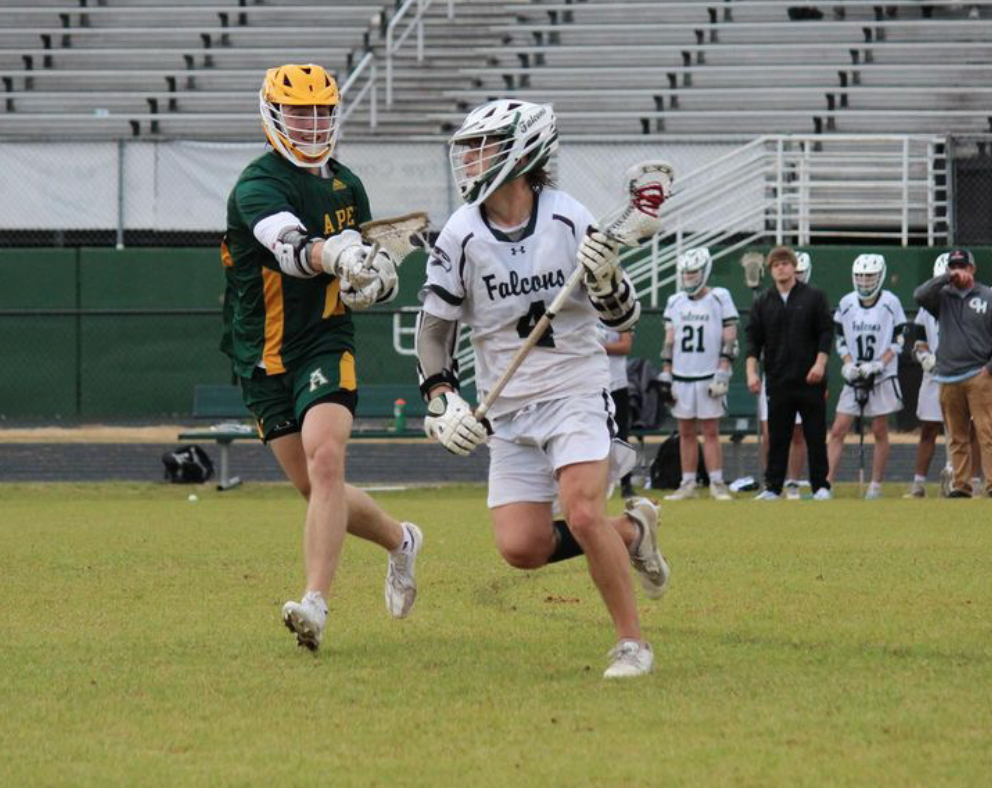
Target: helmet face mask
column 299, row 107
column 804, row 267
column 692, row 270
column 498, row 142
column 868, row 275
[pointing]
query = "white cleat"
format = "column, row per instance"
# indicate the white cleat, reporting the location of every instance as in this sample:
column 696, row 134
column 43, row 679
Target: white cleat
column 823, row 494
column 630, row 659
column 874, row 492
column 645, row 557
column 946, row 481
column 767, row 495
column 306, row 619
column 685, row 491
column 401, row 584
column 720, row 492
column 916, row 491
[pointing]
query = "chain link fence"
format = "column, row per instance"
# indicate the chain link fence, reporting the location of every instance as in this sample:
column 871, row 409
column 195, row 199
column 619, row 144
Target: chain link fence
column 971, row 173
column 174, row 193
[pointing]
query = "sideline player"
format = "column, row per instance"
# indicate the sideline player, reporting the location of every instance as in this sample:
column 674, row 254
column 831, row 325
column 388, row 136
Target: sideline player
column 797, row 447
column 928, row 402
column 700, row 347
column 295, row 269
column 870, row 322
column 499, row 260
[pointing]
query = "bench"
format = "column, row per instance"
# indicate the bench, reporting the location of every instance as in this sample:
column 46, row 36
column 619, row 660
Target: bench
column 223, row 405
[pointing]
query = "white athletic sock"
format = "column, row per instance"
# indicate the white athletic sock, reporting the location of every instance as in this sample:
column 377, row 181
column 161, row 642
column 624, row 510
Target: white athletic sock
column 875, row 485
column 917, row 479
column 689, row 478
column 316, row 598
column 717, row 476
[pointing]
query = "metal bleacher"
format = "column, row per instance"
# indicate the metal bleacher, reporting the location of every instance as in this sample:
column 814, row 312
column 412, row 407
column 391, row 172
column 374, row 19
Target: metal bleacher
column 136, row 67
column 744, row 66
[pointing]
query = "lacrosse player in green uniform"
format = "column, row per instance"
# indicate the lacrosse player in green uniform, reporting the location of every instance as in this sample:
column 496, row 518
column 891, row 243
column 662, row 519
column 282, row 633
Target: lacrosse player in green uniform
column 296, row 267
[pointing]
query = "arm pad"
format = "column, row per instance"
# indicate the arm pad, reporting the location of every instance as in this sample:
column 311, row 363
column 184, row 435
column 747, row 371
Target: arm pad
column 437, row 339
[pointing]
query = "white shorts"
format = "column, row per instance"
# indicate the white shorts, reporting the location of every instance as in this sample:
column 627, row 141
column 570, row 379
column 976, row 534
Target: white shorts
column 763, row 404
column 928, row 404
column 529, row 446
column 883, row 399
column 692, row 401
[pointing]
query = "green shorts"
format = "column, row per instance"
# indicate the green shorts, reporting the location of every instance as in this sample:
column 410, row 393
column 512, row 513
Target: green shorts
column 280, row 402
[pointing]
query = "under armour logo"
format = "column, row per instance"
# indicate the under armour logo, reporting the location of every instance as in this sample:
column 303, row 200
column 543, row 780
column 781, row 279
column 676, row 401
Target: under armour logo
column 979, row 305
column 515, row 249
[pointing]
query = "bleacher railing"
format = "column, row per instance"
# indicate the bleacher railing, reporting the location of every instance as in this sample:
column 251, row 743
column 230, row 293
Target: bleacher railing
column 394, row 42
column 795, row 189
column 369, row 88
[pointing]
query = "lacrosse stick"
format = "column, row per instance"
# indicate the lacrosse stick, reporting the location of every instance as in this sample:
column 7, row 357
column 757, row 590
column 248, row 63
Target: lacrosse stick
column 862, row 390
column 646, row 187
column 753, row 264
column 398, row 236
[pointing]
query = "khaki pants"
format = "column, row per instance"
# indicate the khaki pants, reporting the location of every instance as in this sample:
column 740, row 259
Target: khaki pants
column 964, row 403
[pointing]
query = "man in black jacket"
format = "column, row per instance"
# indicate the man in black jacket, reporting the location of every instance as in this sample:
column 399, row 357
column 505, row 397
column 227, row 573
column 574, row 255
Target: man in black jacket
column 791, row 329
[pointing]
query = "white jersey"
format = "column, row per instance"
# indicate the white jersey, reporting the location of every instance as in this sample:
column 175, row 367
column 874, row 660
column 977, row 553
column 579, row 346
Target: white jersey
column 931, row 328
column 865, row 333
column 616, row 364
column 698, row 324
column 500, row 288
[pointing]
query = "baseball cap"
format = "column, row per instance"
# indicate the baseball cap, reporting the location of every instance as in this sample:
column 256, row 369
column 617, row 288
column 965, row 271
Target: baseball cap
column 958, row 258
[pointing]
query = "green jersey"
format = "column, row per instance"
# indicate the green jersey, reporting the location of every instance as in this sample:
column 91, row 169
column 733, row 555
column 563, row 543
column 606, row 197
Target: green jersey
column 271, row 318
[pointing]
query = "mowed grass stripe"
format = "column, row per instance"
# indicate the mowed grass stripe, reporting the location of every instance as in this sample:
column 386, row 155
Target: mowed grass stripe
column 801, row 643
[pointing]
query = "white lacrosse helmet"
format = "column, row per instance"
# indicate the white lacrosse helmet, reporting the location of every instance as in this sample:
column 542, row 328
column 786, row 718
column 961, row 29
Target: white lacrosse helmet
column 804, row 267
column 692, row 269
column 500, row 141
column 868, row 273
column 940, row 264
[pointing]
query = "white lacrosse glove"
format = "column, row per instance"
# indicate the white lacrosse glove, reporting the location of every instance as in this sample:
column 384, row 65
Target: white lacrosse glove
column 344, row 256
column 598, row 255
column 720, row 384
column 870, row 368
column 927, row 360
column 450, row 422
column 850, row 372
column 382, row 288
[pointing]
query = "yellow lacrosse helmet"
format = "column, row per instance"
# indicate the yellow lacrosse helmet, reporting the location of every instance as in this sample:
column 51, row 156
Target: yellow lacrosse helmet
column 290, row 101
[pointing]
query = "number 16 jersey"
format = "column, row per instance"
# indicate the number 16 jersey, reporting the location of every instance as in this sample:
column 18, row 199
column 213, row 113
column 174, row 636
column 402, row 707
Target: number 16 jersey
column 500, row 286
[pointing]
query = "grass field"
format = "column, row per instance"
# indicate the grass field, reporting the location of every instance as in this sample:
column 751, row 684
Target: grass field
column 801, row 644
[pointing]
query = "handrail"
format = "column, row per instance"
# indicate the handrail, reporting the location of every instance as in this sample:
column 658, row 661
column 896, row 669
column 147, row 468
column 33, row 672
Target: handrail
column 418, row 23
column 370, row 87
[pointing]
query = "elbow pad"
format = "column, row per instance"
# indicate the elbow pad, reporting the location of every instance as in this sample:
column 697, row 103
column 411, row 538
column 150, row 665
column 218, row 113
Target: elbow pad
column 729, row 349
column 436, row 344
column 619, row 308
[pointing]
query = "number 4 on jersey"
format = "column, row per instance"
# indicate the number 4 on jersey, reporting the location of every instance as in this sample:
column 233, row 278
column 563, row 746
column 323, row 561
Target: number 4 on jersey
column 526, row 324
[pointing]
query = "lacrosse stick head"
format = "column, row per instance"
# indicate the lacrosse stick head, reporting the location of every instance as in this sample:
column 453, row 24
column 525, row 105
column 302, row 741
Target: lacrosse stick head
column 399, row 235
column 646, row 185
column 753, row 264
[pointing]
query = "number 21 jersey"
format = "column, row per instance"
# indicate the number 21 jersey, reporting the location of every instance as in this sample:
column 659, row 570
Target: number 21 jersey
column 698, row 325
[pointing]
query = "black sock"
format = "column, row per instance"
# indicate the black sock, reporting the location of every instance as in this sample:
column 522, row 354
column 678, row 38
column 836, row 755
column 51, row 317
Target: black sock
column 565, row 545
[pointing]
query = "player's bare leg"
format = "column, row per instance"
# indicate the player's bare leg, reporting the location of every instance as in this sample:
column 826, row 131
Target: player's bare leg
column 835, row 445
column 925, row 449
column 880, row 457
column 713, row 457
column 688, row 460
column 582, row 490
column 365, row 519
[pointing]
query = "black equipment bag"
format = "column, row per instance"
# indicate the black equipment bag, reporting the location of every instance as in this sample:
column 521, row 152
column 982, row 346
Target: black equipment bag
column 666, row 469
column 187, row 465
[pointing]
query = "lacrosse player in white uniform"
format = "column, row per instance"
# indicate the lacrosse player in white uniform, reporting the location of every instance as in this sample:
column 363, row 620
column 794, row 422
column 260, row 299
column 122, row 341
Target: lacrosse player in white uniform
column 700, row 347
column 797, row 449
column 498, row 262
column 928, row 403
column 870, row 323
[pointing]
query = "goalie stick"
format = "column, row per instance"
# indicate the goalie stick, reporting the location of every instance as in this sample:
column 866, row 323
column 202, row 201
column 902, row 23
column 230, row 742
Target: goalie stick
column 646, row 186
